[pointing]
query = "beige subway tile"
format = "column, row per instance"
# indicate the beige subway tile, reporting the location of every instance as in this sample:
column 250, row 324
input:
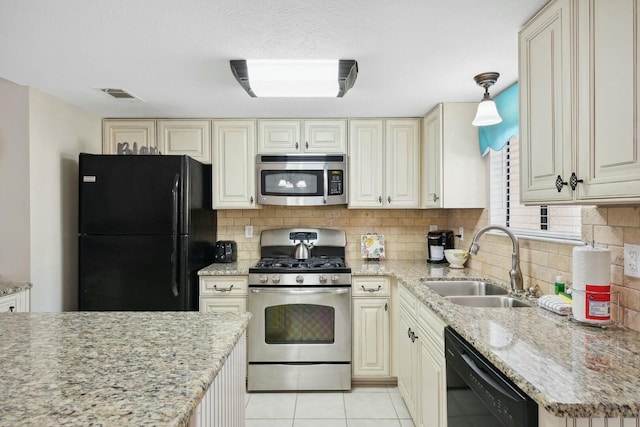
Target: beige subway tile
column 406, row 222
column 605, row 235
column 594, row 215
column 624, row 216
column 632, row 235
column 632, row 319
column 561, row 263
column 540, row 258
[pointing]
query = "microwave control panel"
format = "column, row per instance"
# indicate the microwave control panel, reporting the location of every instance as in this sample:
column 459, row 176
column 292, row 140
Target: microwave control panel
column 336, row 181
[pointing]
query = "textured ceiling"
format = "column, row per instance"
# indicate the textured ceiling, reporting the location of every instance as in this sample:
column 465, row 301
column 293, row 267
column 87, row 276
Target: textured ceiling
column 175, row 55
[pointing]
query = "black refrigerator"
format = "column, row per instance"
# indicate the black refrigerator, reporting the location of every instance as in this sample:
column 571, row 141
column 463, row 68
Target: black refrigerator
column 146, row 228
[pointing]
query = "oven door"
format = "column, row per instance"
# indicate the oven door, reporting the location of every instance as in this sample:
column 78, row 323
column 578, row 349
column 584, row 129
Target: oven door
column 300, row 324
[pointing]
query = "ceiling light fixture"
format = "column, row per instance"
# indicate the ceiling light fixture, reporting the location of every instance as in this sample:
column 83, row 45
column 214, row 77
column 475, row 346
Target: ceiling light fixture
column 487, row 113
column 295, row 78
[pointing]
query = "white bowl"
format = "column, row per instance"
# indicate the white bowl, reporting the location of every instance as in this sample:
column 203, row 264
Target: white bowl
column 456, row 257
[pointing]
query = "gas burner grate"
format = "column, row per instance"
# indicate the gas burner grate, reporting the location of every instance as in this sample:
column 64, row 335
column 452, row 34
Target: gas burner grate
column 311, row 263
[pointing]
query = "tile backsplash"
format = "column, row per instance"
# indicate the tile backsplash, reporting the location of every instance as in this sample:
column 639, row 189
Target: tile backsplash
column 405, row 233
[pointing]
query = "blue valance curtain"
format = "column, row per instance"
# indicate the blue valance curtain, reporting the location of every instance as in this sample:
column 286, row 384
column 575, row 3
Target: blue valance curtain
column 496, row 136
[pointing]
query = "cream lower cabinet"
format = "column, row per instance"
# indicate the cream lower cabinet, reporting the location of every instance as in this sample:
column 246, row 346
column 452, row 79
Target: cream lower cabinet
column 190, row 137
column 422, row 366
column 370, row 333
column 579, row 97
column 384, row 163
column 17, row 302
column 223, row 293
column 234, row 164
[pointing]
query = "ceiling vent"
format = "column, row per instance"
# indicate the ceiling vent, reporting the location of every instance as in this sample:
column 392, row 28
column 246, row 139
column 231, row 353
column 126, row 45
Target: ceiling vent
column 121, row 95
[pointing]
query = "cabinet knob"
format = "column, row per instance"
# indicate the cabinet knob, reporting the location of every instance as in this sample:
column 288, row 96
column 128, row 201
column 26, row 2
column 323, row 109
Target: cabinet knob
column 251, row 200
column 389, row 199
column 11, row 308
column 560, row 183
column 409, row 333
column 306, row 144
column 380, row 199
column 435, row 198
column 297, row 145
column 573, row 181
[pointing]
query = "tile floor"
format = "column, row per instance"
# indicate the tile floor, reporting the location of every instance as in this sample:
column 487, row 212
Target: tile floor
column 364, row 406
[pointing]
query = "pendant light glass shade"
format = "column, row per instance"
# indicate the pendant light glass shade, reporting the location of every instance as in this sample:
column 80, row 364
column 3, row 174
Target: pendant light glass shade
column 487, row 114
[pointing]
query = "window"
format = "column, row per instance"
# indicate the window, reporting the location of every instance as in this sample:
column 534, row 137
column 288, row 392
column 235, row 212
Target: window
column 553, row 221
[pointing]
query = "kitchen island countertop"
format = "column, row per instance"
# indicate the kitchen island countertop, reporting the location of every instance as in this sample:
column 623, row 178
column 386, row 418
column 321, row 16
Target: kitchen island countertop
column 111, row 368
column 8, row 288
column 568, row 368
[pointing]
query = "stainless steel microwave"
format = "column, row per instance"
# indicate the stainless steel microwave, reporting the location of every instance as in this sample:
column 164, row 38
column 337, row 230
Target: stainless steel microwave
column 302, row 179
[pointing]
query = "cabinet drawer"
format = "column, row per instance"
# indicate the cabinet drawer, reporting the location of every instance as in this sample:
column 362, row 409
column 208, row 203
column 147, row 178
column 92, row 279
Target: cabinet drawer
column 371, row 287
column 10, row 303
column 407, row 299
column 232, row 304
column 223, row 285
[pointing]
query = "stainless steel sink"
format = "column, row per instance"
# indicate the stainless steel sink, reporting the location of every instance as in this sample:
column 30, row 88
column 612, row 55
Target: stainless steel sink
column 488, row 301
column 447, row 288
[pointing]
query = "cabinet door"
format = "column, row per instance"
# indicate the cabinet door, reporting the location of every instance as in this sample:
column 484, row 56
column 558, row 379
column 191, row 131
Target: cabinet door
column 366, row 164
column 432, row 384
column 140, row 132
column 234, row 160
column 402, row 173
column 607, row 142
column 370, row 337
column 191, row 137
column 16, row 302
column 279, row 136
column 545, row 104
column 431, row 159
column 325, row 136
column 224, row 286
column 407, row 362
column 234, row 304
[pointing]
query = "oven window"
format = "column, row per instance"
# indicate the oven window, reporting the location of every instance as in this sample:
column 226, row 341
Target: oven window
column 299, row 324
column 292, row 183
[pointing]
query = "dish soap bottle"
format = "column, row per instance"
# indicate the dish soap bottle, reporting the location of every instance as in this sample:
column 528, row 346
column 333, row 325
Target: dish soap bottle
column 559, row 285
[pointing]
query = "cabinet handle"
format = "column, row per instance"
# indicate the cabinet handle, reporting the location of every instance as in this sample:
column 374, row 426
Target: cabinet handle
column 560, row 183
column 306, row 145
column 435, row 198
column 371, row 290
column 389, row 199
column 251, row 200
column 380, row 199
column 223, row 289
column 297, row 145
column 11, row 308
column 386, row 306
column 414, row 337
column 573, row 181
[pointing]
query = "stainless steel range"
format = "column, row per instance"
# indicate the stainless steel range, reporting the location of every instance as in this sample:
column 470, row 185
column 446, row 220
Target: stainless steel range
column 300, row 334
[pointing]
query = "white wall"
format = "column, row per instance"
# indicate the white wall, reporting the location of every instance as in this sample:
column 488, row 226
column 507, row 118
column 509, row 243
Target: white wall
column 14, row 182
column 58, row 133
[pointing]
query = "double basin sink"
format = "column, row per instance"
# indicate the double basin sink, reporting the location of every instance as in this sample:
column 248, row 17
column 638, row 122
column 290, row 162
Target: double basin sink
column 473, row 293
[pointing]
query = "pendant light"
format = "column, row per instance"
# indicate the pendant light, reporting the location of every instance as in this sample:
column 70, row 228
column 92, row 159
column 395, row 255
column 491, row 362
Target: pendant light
column 487, row 113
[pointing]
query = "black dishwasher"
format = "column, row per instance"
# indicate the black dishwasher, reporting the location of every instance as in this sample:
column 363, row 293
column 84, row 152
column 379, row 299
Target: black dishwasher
column 480, row 395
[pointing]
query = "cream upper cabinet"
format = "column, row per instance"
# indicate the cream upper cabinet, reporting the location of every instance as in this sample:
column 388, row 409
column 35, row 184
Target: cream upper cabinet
column 301, row 136
column 579, row 102
column 142, row 133
column 190, row 137
column 234, row 164
column 454, row 175
column 384, row 163
column 371, row 320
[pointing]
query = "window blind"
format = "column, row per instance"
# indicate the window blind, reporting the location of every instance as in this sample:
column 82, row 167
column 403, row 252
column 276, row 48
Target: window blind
column 505, row 208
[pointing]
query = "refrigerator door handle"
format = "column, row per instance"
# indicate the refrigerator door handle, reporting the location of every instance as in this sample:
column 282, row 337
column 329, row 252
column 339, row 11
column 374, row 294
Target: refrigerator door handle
column 174, row 249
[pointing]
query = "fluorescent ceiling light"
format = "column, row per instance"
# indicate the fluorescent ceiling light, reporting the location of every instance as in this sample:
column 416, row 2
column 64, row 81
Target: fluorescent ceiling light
column 295, row 78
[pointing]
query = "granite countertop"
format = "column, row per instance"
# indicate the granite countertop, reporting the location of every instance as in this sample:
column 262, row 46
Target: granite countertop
column 111, row 368
column 568, row 368
column 8, row 288
column 239, row 268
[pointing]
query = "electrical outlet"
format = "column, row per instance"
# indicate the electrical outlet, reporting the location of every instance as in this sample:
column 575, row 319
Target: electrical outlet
column 248, row 231
column 433, row 228
column 461, row 233
column 631, row 255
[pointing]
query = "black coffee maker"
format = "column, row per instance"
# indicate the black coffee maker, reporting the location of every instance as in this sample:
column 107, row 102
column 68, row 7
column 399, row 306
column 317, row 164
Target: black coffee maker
column 437, row 242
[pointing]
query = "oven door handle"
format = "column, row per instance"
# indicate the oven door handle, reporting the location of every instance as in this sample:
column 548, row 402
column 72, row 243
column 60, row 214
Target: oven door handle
column 299, row 291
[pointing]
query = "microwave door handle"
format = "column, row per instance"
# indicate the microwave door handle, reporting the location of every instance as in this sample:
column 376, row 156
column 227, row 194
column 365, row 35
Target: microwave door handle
column 326, row 186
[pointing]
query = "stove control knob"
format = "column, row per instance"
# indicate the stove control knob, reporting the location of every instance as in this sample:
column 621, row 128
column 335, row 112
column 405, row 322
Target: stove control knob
column 322, row 278
column 264, row 278
column 335, row 278
column 299, row 278
column 275, row 279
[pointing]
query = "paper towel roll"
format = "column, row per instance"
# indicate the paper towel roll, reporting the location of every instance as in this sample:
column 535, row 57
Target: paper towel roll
column 591, row 266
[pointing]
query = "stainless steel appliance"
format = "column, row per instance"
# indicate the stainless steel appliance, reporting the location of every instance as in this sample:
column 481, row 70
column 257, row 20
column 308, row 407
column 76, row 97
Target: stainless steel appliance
column 146, row 227
column 480, row 395
column 437, row 242
column 300, row 333
column 302, row 179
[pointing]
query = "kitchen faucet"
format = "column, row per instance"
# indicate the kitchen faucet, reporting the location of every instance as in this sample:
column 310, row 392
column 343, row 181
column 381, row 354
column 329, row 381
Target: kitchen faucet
column 515, row 274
